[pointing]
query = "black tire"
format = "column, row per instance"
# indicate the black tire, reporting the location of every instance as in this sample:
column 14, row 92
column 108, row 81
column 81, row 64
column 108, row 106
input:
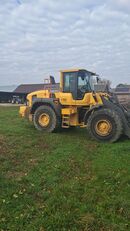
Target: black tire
column 112, row 118
column 54, row 122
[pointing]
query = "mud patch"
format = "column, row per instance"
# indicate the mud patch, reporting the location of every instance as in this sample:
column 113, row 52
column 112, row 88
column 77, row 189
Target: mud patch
column 42, row 145
column 3, row 146
column 92, row 146
column 33, row 162
column 16, row 175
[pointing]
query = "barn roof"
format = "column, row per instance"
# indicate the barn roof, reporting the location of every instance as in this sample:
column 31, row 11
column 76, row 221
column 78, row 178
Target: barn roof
column 27, row 88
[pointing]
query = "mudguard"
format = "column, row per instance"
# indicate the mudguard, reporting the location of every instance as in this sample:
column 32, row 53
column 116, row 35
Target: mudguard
column 52, row 102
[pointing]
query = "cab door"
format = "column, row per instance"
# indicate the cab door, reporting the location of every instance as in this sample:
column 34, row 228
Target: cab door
column 70, row 83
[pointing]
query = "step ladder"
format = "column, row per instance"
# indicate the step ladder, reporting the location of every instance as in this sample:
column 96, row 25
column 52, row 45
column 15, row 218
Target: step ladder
column 65, row 121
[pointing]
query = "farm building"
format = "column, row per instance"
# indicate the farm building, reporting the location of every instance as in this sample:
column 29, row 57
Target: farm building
column 123, row 93
column 20, row 93
column 27, row 88
column 8, row 97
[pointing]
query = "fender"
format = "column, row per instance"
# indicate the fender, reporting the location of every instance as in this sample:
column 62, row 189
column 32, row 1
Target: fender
column 91, row 110
column 52, row 102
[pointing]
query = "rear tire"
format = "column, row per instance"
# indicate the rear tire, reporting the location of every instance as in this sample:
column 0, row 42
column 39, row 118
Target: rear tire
column 45, row 119
column 105, row 125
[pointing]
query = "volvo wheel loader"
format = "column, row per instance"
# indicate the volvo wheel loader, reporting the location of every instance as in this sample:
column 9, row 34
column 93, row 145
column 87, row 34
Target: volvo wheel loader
column 77, row 105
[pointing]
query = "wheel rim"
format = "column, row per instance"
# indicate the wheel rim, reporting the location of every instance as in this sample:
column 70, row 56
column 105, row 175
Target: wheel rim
column 44, row 120
column 103, row 127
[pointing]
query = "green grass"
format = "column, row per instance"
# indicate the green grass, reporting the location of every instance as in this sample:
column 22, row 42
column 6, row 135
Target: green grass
column 61, row 182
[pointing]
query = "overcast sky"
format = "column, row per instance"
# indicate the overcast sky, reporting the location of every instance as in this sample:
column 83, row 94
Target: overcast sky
column 40, row 37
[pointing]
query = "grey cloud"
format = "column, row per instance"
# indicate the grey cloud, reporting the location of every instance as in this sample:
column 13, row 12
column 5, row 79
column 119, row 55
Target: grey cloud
column 37, row 38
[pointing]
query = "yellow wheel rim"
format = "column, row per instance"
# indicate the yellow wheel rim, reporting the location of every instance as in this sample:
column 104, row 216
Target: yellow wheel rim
column 44, row 120
column 103, row 127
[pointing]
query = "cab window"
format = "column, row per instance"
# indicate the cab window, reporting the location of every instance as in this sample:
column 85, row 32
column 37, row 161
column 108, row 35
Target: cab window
column 69, row 79
column 83, row 84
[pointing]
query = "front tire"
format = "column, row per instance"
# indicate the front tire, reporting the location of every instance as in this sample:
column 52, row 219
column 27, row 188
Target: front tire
column 45, row 119
column 105, row 125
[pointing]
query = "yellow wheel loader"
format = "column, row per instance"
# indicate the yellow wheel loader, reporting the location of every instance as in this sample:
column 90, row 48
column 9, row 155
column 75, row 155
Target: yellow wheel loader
column 77, row 105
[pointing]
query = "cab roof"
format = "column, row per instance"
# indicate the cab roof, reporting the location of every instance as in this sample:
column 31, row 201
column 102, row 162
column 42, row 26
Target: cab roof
column 78, row 69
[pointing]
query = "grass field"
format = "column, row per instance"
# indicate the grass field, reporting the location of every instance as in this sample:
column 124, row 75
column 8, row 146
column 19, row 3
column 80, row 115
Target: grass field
column 61, row 182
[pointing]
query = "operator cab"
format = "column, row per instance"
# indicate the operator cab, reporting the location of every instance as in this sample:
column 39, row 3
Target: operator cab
column 78, row 82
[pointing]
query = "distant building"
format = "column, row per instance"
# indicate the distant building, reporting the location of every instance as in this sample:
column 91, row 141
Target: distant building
column 22, row 90
column 123, row 93
column 7, row 97
column 28, row 88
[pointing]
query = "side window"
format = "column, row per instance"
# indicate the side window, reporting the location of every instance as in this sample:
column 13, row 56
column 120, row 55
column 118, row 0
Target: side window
column 68, row 81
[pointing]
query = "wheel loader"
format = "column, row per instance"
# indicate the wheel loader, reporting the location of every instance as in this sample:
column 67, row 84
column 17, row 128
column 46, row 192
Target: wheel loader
column 76, row 104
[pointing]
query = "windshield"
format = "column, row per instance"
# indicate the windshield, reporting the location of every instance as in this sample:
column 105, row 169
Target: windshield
column 84, row 83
